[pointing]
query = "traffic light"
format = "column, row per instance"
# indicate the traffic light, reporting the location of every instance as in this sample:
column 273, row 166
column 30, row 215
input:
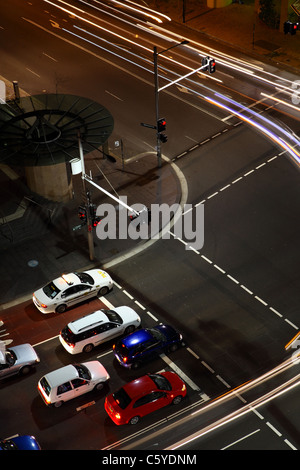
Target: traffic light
column 204, row 63
column 212, row 66
column 163, row 138
column 82, row 214
column 290, row 27
column 161, row 125
column 95, row 219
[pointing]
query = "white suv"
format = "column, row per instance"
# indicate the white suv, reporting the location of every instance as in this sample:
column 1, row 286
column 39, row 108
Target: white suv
column 84, row 334
column 70, row 381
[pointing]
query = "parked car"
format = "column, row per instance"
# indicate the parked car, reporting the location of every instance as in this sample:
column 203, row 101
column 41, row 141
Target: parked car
column 143, row 396
column 17, row 360
column 19, row 443
column 145, row 344
column 70, row 289
column 71, row 381
column 83, row 334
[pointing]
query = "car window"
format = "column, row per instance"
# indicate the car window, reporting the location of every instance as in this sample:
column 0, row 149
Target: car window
column 51, row 290
column 81, row 288
column 122, row 398
column 157, row 335
column 69, row 291
column 113, row 316
column 45, row 385
column 149, row 398
column 161, row 382
column 79, row 382
column 83, row 371
column 85, row 278
column 66, row 387
column 10, row 357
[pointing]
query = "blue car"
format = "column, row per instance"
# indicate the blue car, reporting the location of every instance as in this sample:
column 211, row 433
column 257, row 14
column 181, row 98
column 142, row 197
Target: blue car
column 145, row 344
column 19, row 443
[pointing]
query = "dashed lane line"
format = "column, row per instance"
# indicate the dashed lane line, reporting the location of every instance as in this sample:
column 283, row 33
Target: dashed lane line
column 219, row 268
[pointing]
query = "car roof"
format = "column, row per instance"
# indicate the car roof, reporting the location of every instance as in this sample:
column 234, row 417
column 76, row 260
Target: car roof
column 89, row 320
column 62, row 375
column 139, row 336
column 66, row 280
column 139, row 386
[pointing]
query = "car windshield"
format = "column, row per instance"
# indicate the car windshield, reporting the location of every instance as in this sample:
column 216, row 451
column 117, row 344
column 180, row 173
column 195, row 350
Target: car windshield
column 85, row 278
column 45, row 385
column 10, row 357
column 113, row 316
column 83, row 371
column 157, row 335
column 122, row 398
column 160, row 381
column 7, row 444
column 51, row 290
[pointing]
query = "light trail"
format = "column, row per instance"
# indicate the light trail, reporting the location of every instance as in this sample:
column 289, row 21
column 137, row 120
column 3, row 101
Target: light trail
column 249, row 407
column 254, row 121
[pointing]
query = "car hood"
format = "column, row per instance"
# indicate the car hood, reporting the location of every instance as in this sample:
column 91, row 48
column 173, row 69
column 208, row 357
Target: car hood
column 99, row 276
column 127, row 314
column 168, row 331
column 97, row 370
column 25, row 353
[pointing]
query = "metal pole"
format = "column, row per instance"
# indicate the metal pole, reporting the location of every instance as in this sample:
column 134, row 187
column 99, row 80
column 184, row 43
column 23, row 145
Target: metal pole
column 87, row 204
column 158, row 147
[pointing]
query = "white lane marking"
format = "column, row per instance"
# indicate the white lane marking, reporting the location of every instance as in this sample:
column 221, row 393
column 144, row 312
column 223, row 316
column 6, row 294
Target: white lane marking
column 273, row 429
column 180, row 372
column 241, row 439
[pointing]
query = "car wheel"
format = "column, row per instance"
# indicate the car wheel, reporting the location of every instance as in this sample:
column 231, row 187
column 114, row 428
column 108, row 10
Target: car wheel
column 173, row 347
column 177, row 400
column 99, row 386
column 57, row 404
column 129, row 329
column 88, row 348
column 103, row 291
column 25, row 370
column 61, row 308
column 134, row 420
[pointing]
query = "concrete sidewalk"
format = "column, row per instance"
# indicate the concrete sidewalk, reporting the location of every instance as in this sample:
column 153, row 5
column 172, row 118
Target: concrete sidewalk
column 37, row 240
column 41, row 244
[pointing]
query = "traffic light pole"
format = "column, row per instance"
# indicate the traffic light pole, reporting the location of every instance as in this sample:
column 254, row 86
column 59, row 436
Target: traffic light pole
column 87, row 205
column 158, row 145
column 156, row 88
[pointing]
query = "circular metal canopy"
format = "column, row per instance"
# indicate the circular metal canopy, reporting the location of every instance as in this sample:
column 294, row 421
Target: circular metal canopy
column 44, row 129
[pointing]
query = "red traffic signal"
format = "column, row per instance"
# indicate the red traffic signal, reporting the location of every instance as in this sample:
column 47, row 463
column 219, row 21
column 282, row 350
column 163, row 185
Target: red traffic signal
column 212, row 66
column 161, row 125
column 290, row 27
column 82, row 213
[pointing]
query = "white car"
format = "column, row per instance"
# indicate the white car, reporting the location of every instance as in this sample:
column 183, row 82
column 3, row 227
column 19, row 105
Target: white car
column 71, row 381
column 71, row 289
column 95, row 328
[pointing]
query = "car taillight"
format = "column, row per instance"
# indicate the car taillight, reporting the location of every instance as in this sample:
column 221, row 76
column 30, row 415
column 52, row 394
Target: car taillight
column 125, row 359
column 46, row 399
column 117, row 416
column 43, row 305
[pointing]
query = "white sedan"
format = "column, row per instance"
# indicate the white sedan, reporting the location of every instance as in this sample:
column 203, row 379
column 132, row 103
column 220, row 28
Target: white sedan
column 71, row 289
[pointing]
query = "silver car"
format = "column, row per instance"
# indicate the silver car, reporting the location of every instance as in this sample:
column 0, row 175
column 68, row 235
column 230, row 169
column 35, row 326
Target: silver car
column 17, row 360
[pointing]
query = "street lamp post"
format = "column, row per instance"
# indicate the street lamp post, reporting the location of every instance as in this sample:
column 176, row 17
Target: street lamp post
column 156, row 88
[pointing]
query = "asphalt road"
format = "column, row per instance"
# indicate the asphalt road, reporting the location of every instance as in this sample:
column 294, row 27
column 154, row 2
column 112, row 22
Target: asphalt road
column 235, row 300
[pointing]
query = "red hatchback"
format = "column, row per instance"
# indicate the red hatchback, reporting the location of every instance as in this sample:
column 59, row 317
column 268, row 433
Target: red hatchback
column 144, row 395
